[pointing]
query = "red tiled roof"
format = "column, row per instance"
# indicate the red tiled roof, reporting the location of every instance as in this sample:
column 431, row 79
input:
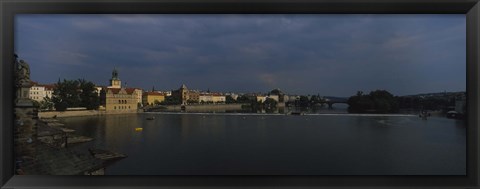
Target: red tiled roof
column 47, row 86
column 113, row 90
column 130, row 90
column 117, row 90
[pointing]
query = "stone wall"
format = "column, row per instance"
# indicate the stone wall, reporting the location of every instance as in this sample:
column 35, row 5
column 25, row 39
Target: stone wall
column 205, row 107
column 25, row 130
column 82, row 113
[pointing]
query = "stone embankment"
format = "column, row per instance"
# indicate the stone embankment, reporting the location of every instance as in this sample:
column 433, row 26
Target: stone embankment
column 56, row 114
column 199, row 107
column 54, row 133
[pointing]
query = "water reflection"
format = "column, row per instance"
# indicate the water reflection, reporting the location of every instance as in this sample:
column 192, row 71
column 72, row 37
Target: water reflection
column 278, row 144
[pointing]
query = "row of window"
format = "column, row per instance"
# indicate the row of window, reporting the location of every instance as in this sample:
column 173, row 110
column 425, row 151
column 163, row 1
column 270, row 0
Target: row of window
column 122, row 101
column 121, row 107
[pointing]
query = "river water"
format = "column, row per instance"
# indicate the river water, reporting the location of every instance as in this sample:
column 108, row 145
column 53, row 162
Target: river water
column 277, row 144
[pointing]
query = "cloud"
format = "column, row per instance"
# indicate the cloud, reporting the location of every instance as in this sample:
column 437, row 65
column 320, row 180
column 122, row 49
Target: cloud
column 299, row 53
column 133, row 19
column 268, row 79
column 89, row 24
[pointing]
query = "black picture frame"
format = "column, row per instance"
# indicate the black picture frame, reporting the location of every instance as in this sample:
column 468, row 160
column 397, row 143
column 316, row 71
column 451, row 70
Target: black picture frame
column 9, row 8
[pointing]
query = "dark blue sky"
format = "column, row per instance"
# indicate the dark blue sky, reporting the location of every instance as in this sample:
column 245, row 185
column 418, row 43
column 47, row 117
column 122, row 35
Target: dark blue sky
column 333, row 55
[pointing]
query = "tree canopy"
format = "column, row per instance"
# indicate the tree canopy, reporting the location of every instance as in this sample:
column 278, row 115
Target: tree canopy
column 75, row 93
column 379, row 101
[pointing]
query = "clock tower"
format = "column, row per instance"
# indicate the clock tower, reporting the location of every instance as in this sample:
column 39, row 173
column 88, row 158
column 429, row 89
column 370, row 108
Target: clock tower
column 115, row 81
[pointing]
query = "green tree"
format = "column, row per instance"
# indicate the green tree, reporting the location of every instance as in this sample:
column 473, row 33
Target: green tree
column 36, row 103
column 190, row 101
column 379, row 101
column 303, row 101
column 46, row 104
column 270, row 103
column 317, row 99
column 171, row 100
column 75, row 93
column 66, row 95
column 243, row 99
column 88, row 96
column 229, row 100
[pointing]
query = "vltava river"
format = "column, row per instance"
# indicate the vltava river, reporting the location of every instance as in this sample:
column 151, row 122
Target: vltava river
column 232, row 144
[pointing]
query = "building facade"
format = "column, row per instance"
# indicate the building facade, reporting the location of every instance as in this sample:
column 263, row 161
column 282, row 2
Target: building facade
column 115, row 98
column 183, row 94
column 205, row 98
column 149, row 98
column 139, row 95
column 218, row 98
column 39, row 91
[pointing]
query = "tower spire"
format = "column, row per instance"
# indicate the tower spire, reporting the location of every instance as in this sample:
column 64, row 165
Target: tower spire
column 114, row 73
column 115, row 81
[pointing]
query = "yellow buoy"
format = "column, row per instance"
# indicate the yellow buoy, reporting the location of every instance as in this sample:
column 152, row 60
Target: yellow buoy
column 138, row 129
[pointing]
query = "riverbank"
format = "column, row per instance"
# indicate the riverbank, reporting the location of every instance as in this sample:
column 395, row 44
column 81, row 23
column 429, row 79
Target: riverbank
column 198, row 107
column 57, row 114
column 279, row 114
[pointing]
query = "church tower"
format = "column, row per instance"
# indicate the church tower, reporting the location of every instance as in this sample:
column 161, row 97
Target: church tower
column 115, row 81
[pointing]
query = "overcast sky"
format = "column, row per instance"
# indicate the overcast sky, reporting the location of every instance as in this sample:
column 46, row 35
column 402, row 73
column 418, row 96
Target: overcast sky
column 332, row 55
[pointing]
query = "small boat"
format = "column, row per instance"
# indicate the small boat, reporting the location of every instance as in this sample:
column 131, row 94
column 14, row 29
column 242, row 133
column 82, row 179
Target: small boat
column 150, row 118
column 138, row 129
column 452, row 114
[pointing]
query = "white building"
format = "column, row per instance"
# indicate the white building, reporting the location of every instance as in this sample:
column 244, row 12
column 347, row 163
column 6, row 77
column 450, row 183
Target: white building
column 98, row 90
column 261, row 98
column 274, row 97
column 218, row 98
column 39, row 91
column 204, row 98
column 233, row 95
column 139, row 93
column 211, row 97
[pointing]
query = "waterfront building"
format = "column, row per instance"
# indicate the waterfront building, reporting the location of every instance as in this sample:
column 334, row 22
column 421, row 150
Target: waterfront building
column 115, row 98
column 139, row 95
column 278, row 95
column 274, row 97
column 218, row 98
column 205, row 98
column 149, row 98
column 233, row 95
column 193, row 96
column 260, row 98
column 186, row 96
column 39, row 91
column 181, row 93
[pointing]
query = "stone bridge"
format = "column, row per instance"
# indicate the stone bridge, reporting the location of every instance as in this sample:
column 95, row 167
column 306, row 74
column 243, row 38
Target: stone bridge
column 335, row 100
